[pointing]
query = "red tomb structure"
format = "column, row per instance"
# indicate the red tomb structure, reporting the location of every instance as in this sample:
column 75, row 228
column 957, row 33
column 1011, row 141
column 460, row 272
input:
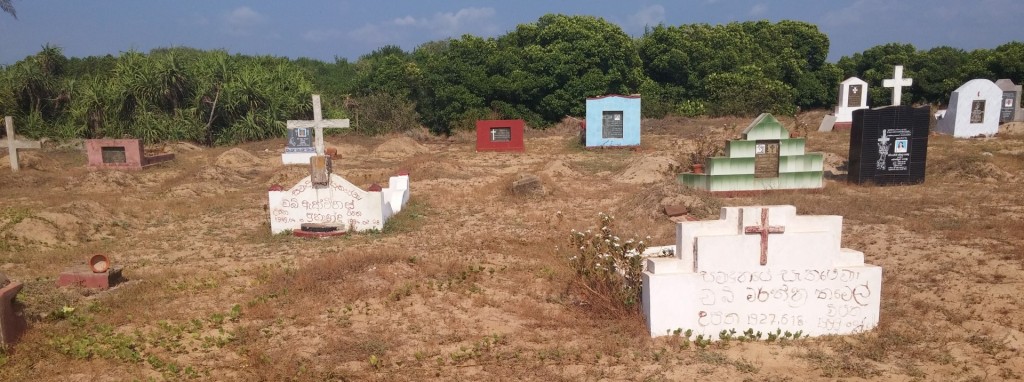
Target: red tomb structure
column 12, row 319
column 499, row 135
column 120, row 154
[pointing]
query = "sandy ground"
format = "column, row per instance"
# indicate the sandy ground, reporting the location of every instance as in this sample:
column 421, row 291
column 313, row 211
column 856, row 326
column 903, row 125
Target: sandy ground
column 471, row 282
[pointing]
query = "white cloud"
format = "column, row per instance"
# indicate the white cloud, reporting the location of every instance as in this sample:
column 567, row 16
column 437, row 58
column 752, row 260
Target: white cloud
column 478, row 21
column 243, row 21
column 758, row 10
column 648, row 16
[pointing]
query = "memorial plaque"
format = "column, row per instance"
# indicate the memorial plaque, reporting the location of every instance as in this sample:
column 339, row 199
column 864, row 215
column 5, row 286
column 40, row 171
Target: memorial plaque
column 611, row 124
column 978, row 111
column 766, row 159
column 1009, row 107
column 300, row 140
column 853, row 99
column 889, row 145
column 113, row 154
column 501, row 134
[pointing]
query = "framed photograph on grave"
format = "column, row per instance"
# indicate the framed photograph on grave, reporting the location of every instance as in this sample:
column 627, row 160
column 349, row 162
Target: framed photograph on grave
column 500, row 135
column 978, row 111
column 611, row 124
column 766, row 159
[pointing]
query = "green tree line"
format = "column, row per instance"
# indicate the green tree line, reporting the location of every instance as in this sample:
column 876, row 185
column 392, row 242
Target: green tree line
column 540, row 72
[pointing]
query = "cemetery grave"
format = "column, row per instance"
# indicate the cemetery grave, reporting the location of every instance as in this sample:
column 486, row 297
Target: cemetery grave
column 121, row 154
column 974, row 110
column 13, row 144
column 472, row 282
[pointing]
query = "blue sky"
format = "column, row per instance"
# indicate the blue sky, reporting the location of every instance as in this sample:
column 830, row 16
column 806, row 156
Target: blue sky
column 324, row 29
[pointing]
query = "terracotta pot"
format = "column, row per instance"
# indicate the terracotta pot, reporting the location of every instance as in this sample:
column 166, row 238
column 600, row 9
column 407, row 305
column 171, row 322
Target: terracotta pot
column 99, row 263
column 698, row 168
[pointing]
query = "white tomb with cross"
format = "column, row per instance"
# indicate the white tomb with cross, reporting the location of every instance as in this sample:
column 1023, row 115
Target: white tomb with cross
column 853, row 95
column 762, row 268
column 897, row 82
column 13, row 144
column 306, row 138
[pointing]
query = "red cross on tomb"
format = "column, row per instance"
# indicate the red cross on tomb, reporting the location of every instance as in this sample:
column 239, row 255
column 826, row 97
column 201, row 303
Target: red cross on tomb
column 764, row 229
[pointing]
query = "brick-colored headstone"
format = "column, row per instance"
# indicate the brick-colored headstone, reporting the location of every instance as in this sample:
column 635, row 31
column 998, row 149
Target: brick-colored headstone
column 12, row 322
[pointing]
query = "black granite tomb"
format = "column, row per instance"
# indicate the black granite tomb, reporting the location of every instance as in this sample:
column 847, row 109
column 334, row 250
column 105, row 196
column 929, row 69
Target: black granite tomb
column 889, row 145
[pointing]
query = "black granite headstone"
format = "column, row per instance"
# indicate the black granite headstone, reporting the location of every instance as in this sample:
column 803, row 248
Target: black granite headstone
column 1009, row 107
column 889, row 145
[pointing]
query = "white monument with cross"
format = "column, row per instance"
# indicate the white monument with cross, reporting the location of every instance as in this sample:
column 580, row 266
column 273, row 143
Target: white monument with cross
column 300, row 148
column 13, row 144
column 897, row 82
column 853, row 95
column 762, row 268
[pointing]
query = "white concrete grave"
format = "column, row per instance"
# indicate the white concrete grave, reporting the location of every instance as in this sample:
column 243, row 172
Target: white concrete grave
column 897, row 82
column 339, row 203
column 13, row 144
column 853, row 95
column 973, row 110
column 299, row 149
column 762, row 268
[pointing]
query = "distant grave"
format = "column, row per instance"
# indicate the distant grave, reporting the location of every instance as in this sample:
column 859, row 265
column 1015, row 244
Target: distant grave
column 612, row 120
column 1010, row 110
column 13, row 144
column 764, row 269
column 973, row 110
column 500, row 135
column 339, row 206
column 766, row 158
column 306, row 138
column 120, row 154
column 853, row 95
column 889, row 145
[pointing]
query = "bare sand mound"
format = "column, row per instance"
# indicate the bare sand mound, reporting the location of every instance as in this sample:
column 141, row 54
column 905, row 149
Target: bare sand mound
column 1012, row 128
column 558, row 169
column 68, row 225
column 347, row 150
column 105, row 181
column 237, row 158
column 397, row 147
column 647, row 169
column 32, row 159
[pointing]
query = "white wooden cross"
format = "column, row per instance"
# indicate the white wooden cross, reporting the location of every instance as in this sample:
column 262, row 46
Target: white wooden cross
column 897, row 83
column 318, row 124
column 13, row 144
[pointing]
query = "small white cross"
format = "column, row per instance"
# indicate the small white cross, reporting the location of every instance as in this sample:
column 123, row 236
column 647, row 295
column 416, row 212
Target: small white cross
column 897, row 83
column 13, row 144
column 318, row 124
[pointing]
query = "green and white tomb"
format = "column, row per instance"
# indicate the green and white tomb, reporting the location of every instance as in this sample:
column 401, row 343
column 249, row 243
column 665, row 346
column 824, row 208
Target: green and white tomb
column 766, row 158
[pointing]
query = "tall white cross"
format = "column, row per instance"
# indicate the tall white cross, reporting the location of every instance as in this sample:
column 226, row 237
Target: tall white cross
column 13, row 144
column 897, row 83
column 318, row 124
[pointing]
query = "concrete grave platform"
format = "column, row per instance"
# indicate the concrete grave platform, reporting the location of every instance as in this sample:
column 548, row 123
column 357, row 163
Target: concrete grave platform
column 762, row 268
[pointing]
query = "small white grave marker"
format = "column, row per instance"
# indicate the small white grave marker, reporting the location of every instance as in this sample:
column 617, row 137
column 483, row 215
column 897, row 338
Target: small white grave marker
column 318, row 124
column 897, row 83
column 762, row 268
column 13, row 144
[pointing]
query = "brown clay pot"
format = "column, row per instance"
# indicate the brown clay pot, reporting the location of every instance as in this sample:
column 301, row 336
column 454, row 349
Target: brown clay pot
column 698, row 168
column 99, row 263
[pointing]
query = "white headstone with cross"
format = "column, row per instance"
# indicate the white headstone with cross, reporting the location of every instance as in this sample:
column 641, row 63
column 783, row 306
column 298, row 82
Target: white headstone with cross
column 13, row 144
column 299, row 148
column 853, row 95
column 897, row 82
column 761, row 268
